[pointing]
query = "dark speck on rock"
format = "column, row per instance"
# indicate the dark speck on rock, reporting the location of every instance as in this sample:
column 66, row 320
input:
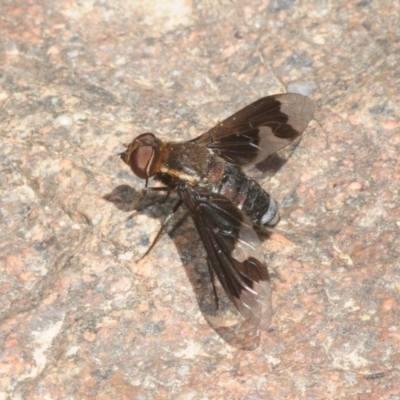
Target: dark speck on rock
column 289, row 200
column 144, row 240
column 378, row 109
column 299, row 61
column 153, row 327
column 130, row 223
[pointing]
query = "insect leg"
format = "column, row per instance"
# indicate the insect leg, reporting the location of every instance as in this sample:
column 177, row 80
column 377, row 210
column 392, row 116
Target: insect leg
column 176, row 206
column 166, row 197
column 151, row 189
column 212, row 276
column 144, row 194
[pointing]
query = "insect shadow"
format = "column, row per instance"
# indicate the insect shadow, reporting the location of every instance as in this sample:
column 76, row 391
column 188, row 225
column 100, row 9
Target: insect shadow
column 220, row 313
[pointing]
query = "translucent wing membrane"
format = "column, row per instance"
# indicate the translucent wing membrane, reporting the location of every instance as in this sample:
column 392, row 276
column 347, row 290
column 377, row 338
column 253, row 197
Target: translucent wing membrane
column 233, row 251
column 260, row 129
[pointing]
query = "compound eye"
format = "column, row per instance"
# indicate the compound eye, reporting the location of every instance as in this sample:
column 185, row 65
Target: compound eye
column 140, row 159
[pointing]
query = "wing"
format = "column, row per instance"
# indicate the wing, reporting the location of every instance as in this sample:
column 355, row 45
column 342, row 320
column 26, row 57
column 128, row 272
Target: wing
column 259, row 129
column 233, row 251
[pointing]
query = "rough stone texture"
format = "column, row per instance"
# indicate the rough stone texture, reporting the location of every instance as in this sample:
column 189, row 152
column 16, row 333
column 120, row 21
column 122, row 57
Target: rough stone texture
column 81, row 317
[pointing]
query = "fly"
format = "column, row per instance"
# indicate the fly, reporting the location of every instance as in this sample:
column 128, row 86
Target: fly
column 227, row 207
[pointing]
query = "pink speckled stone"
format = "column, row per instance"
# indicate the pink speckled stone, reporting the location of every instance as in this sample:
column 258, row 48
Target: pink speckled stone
column 82, row 316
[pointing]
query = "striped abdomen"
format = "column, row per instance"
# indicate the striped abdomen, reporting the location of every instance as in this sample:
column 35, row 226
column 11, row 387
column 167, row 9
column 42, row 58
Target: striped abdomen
column 249, row 196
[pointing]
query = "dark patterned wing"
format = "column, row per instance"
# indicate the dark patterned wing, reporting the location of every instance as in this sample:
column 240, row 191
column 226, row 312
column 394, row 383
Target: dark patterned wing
column 233, row 252
column 259, row 129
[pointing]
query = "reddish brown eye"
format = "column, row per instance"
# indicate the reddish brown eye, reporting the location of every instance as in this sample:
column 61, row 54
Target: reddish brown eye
column 139, row 160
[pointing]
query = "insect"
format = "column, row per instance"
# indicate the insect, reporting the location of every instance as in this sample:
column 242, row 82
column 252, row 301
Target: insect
column 227, row 206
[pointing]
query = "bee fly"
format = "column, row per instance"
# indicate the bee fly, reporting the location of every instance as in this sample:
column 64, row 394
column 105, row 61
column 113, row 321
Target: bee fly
column 225, row 204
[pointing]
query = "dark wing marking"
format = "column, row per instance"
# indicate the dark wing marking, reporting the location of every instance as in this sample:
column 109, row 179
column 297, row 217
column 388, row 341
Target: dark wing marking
column 233, row 251
column 260, row 129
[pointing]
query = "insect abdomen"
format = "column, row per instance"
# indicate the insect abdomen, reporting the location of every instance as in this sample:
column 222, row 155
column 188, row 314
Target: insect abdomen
column 249, row 196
